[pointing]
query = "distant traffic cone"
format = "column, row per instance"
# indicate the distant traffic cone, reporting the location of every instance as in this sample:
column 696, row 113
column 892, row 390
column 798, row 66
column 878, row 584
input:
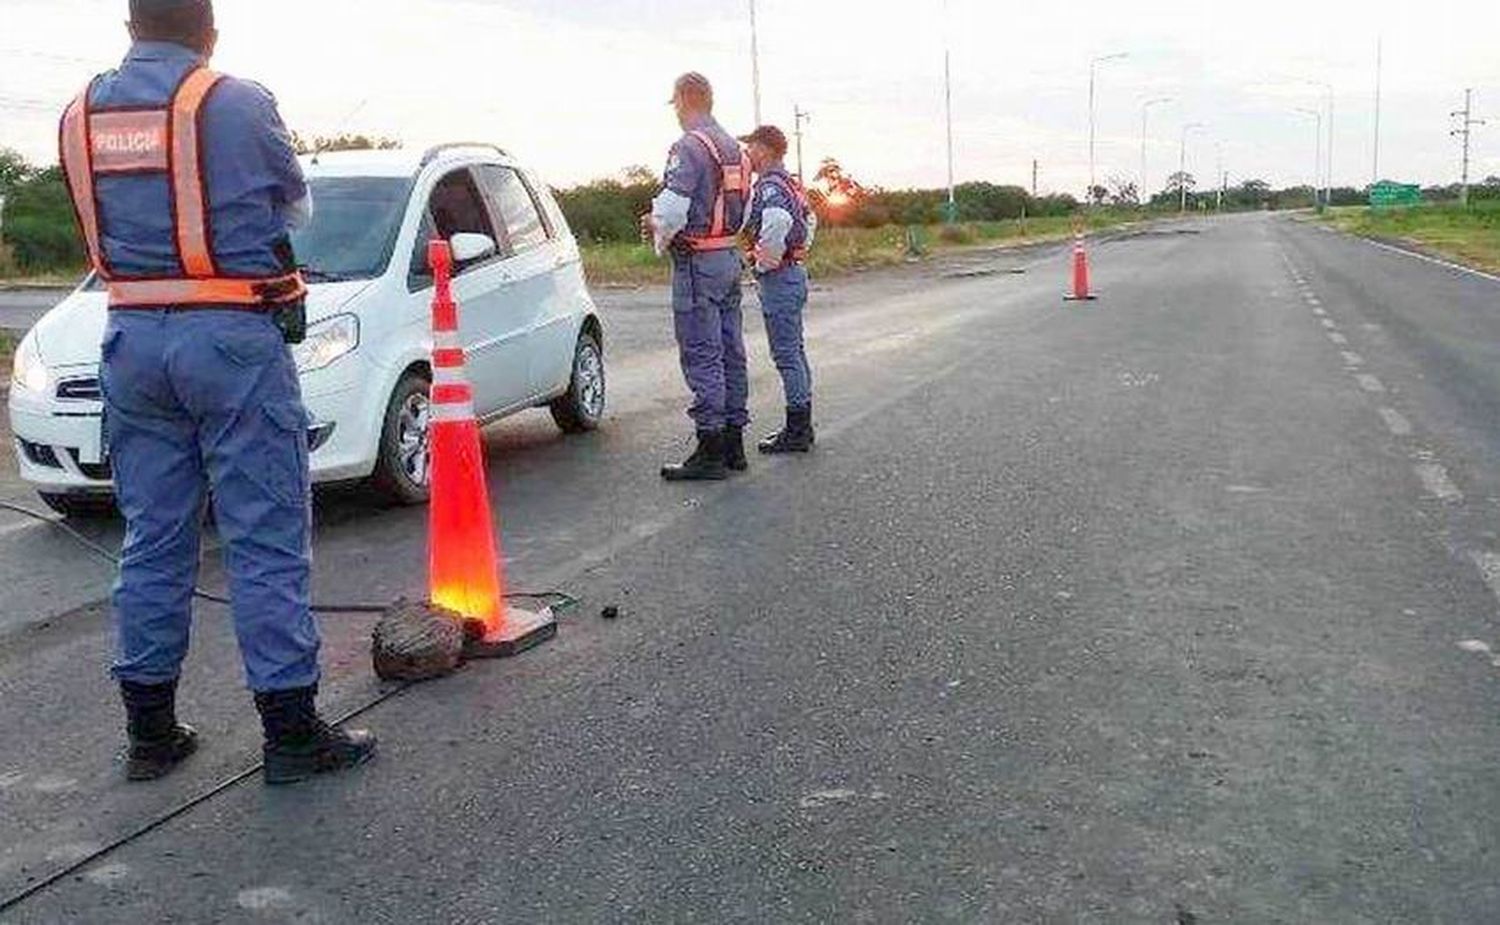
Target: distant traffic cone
column 465, row 570
column 1081, row 291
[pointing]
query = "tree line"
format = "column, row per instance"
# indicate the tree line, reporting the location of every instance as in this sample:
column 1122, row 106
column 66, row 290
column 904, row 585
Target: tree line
column 38, row 233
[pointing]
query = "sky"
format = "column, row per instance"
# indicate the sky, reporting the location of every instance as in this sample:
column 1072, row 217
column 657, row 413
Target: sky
column 578, row 87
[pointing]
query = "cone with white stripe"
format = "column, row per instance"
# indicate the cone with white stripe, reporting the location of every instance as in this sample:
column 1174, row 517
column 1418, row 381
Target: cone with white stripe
column 465, row 569
column 1081, row 291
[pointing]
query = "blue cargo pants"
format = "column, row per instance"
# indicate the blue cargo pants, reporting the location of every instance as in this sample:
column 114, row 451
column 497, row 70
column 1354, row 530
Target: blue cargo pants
column 201, row 403
column 783, row 296
column 711, row 337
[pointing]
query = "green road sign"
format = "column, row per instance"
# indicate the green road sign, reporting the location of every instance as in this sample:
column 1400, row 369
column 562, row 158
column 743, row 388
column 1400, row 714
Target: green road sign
column 1386, row 195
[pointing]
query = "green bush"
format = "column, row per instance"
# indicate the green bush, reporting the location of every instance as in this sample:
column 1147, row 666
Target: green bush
column 39, row 227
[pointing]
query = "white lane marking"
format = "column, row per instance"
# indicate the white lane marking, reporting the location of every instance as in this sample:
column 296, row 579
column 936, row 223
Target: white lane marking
column 7, row 529
column 1314, row 300
column 1397, row 422
column 1477, row 646
column 1369, row 383
column 1320, row 313
column 824, row 797
column 261, row 898
column 1351, row 358
column 1246, row 489
column 1436, row 482
column 1433, row 260
column 1328, row 323
column 108, row 874
column 1337, row 338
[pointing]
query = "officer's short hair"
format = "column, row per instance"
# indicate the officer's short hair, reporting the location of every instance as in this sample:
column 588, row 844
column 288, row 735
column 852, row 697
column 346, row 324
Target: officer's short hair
column 695, row 89
column 185, row 22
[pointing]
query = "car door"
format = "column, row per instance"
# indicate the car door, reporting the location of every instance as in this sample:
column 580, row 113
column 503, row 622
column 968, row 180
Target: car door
column 555, row 336
column 492, row 325
column 529, row 258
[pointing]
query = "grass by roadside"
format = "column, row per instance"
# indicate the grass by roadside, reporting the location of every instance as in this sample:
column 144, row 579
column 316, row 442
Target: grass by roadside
column 7, row 350
column 1468, row 236
column 849, row 250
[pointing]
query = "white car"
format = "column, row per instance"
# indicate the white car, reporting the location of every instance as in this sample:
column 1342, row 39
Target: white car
column 532, row 333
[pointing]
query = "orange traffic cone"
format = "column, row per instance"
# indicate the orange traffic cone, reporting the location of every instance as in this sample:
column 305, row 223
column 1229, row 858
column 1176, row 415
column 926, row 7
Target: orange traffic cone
column 1081, row 292
column 465, row 571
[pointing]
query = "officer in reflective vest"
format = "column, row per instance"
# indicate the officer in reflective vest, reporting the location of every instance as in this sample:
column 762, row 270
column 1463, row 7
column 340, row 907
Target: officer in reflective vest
column 697, row 217
column 185, row 187
column 778, row 231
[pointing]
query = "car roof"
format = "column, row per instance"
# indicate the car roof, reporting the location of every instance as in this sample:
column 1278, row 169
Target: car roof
column 399, row 162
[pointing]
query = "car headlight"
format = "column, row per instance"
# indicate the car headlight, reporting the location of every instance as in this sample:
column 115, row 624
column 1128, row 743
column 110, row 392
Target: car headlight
column 326, row 342
column 27, row 371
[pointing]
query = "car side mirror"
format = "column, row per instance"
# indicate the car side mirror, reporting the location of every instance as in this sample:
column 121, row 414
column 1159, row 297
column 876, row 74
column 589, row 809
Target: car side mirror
column 469, row 247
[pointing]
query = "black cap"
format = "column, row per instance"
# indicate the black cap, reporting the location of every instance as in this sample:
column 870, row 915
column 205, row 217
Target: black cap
column 770, row 136
column 148, row 9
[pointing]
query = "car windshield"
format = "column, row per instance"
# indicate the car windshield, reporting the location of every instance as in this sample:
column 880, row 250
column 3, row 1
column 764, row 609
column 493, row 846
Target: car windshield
column 354, row 227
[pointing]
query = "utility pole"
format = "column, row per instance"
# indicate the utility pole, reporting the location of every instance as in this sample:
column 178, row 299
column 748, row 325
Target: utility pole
column 1465, row 131
column 1035, row 168
column 755, row 61
column 1379, row 65
column 799, row 116
column 1318, row 153
column 1093, row 68
column 1145, row 112
column 948, row 105
column 1182, row 166
column 1223, row 179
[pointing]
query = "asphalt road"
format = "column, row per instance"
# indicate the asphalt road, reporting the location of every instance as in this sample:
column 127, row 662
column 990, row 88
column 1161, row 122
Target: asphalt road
column 20, row 308
column 1175, row 607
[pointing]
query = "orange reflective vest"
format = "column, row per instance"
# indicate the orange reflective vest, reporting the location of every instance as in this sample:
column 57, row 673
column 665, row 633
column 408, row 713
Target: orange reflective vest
column 165, row 141
column 733, row 178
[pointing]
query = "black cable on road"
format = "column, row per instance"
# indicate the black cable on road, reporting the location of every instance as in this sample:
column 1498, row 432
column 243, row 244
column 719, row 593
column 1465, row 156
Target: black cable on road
column 557, row 600
column 180, row 809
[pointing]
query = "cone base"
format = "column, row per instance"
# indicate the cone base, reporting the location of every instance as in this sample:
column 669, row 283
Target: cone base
column 522, row 630
column 1091, row 297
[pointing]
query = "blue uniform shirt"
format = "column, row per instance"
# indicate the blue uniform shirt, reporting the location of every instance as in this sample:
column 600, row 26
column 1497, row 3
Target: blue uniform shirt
column 692, row 173
column 773, row 190
column 250, row 171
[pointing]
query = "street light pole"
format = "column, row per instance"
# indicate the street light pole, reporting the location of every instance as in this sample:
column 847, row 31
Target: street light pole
column 1318, row 155
column 799, row 115
column 1093, row 69
column 1145, row 113
column 755, row 61
column 1379, row 66
column 952, row 210
column 1182, row 166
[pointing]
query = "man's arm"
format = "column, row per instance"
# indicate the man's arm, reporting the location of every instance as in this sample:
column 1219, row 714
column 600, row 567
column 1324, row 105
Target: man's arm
column 669, row 210
column 280, row 157
column 775, row 225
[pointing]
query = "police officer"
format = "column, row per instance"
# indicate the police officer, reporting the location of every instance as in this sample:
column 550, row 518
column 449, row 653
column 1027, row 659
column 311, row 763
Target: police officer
column 779, row 230
column 697, row 217
column 185, row 186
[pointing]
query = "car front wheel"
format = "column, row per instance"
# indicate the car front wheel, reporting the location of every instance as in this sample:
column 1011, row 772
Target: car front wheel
column 581, row 407
column 401, row 469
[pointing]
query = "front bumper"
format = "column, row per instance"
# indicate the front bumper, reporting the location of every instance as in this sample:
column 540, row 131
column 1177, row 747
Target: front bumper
column 59, row 444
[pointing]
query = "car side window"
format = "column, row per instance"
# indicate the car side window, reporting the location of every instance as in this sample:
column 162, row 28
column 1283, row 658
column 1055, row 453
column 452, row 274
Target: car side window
column 557, row 223
column 454, row 207
column 514, row 209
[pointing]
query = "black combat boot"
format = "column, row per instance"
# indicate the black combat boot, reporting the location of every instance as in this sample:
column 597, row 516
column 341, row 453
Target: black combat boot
column 299, row 744
column 705, row 465
column 734, row 449
column 796, row 437
column 158, row 743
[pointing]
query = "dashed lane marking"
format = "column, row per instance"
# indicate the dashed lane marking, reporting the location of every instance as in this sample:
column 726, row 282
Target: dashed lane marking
column 1369, row 383
column 1351, row 358
column 1436, row 482
column 1329, row 324
column 1396, row 422
column 1337, row 338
